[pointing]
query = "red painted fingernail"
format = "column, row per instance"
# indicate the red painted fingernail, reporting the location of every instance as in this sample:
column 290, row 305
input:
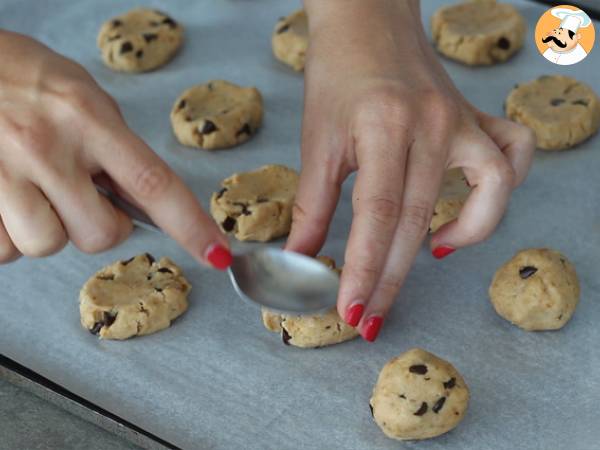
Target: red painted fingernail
column 219, row 256
column 372, row 327
column 442, row 251
column 354, row 314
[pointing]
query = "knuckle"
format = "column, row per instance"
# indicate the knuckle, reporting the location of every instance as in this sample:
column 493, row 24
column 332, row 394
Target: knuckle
column 384, row 210
column 500, row 172
column 389, row 286
column 382, row 109
column 44, row 246
column 440, row 110
column 32, row 139
column 75, row 96
column 416, row 218
column 104, row 238
column 151, row 180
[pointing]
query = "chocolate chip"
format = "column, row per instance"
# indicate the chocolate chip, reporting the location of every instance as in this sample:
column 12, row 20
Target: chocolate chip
column 503, row 43
column 228, row 224
column 285, row 337
column 208, row 127
column 244, row 130
column 262, row 200
column 560, row 317
column 114, row 38
column 109, row 319
column 150, row 258
column 188, row 119
column 420, row 369
column 371, row 408
column 402, row 396
column 283, row 29
column 117, row 23
column 557, row 101
column 438, row 405
column 422, row 410
column 127, row 261
column 158, row 289
column 126, row 47
column 96, row 328
column 244, row 207
column 164, row 270
column 139, row 54
column 149, row 37
column 221, row 192
column 181, row 104
column 581, row 101
column 427, row 378
column 328, row 327
column 106, row 277
column 450, row 383
column 168, row 21
column 210, row 86
column 527, row 271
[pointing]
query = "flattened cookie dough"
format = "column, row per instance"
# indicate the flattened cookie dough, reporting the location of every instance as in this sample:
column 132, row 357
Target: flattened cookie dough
column 453, row 195
column 418, row 396
column 256, row 205
column 133, row 297
column 140, row 40
column 290, row 40
column 310, row 331
column 217, row 114
column 560, row 110
column 478, row 33
column 536, row 290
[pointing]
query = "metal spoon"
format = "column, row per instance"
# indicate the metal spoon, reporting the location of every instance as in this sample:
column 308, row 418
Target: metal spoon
column 282, row 281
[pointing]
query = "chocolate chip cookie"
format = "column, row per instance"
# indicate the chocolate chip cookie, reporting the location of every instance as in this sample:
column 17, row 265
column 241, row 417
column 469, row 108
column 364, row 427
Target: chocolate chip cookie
column 140, row 40
column 562, row 111
column 217, row 114
column 478, row 33
column 536, row 290
column 290, row 40
column 314, row 330
column 418, row 396
column 133, row 297
column 256, row 205
column 453, row 194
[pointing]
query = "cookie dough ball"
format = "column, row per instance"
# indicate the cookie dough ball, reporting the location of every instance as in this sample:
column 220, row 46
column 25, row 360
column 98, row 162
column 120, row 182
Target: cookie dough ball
column 453, row 194
column 560, row 110
column 478, row 33
column 536, row 290
column 257, row 205
column 217, row 114
column 310, row 331
column 290, row 40
column 140, row 40
column 133, row 297
column 418, row 396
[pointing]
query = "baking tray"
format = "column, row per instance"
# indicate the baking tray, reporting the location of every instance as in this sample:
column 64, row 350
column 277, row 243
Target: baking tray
column 216, row 378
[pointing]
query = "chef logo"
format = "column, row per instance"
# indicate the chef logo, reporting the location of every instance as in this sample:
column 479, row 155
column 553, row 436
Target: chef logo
column 564, row 35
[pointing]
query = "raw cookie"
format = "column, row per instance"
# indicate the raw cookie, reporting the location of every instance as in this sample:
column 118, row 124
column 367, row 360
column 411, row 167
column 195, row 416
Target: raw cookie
column 290, row 39
column 133, row 297
column 310, row 331
column 478, row 33
column 257, row 205
column 418, row 396
column 537, row 289
column 217, row 114
column 452, row 197
column 140, row 40
column 560, row 110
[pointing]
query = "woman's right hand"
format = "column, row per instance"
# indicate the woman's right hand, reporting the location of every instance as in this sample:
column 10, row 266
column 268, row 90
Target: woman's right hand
column 58, row 131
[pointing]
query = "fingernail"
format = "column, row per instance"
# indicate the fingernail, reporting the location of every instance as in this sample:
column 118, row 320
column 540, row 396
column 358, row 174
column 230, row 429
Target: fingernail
column 219, row 257
column 442, row 251
column 354, row 313
column 372, row 327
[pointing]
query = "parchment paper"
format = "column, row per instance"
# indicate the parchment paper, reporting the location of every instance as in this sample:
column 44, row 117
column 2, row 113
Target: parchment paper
column 216, row 378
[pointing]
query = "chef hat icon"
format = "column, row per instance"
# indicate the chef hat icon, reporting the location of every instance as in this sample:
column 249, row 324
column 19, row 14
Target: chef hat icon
column 571, row 19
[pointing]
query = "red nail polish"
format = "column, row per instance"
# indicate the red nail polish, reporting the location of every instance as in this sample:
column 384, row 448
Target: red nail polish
column 354, row 314
column 219, row 257
column 372, row 327
column 442, row 251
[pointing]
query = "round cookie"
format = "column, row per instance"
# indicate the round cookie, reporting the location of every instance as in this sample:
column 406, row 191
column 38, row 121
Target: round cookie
column 310, row 331
column 256, row 205
column 140, row 40
column 560, row 110
column 478, row 33
column 290, row 40
column 217, row 114
column 536, row 290
column 133, row 297
column 453, row 194
column 418, row 396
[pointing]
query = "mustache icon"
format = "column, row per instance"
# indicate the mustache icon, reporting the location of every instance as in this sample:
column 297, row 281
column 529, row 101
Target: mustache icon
column 555, row 40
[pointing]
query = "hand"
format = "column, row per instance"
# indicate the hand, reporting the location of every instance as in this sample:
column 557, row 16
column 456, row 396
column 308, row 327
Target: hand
column 58, row 129
column 377, row 101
